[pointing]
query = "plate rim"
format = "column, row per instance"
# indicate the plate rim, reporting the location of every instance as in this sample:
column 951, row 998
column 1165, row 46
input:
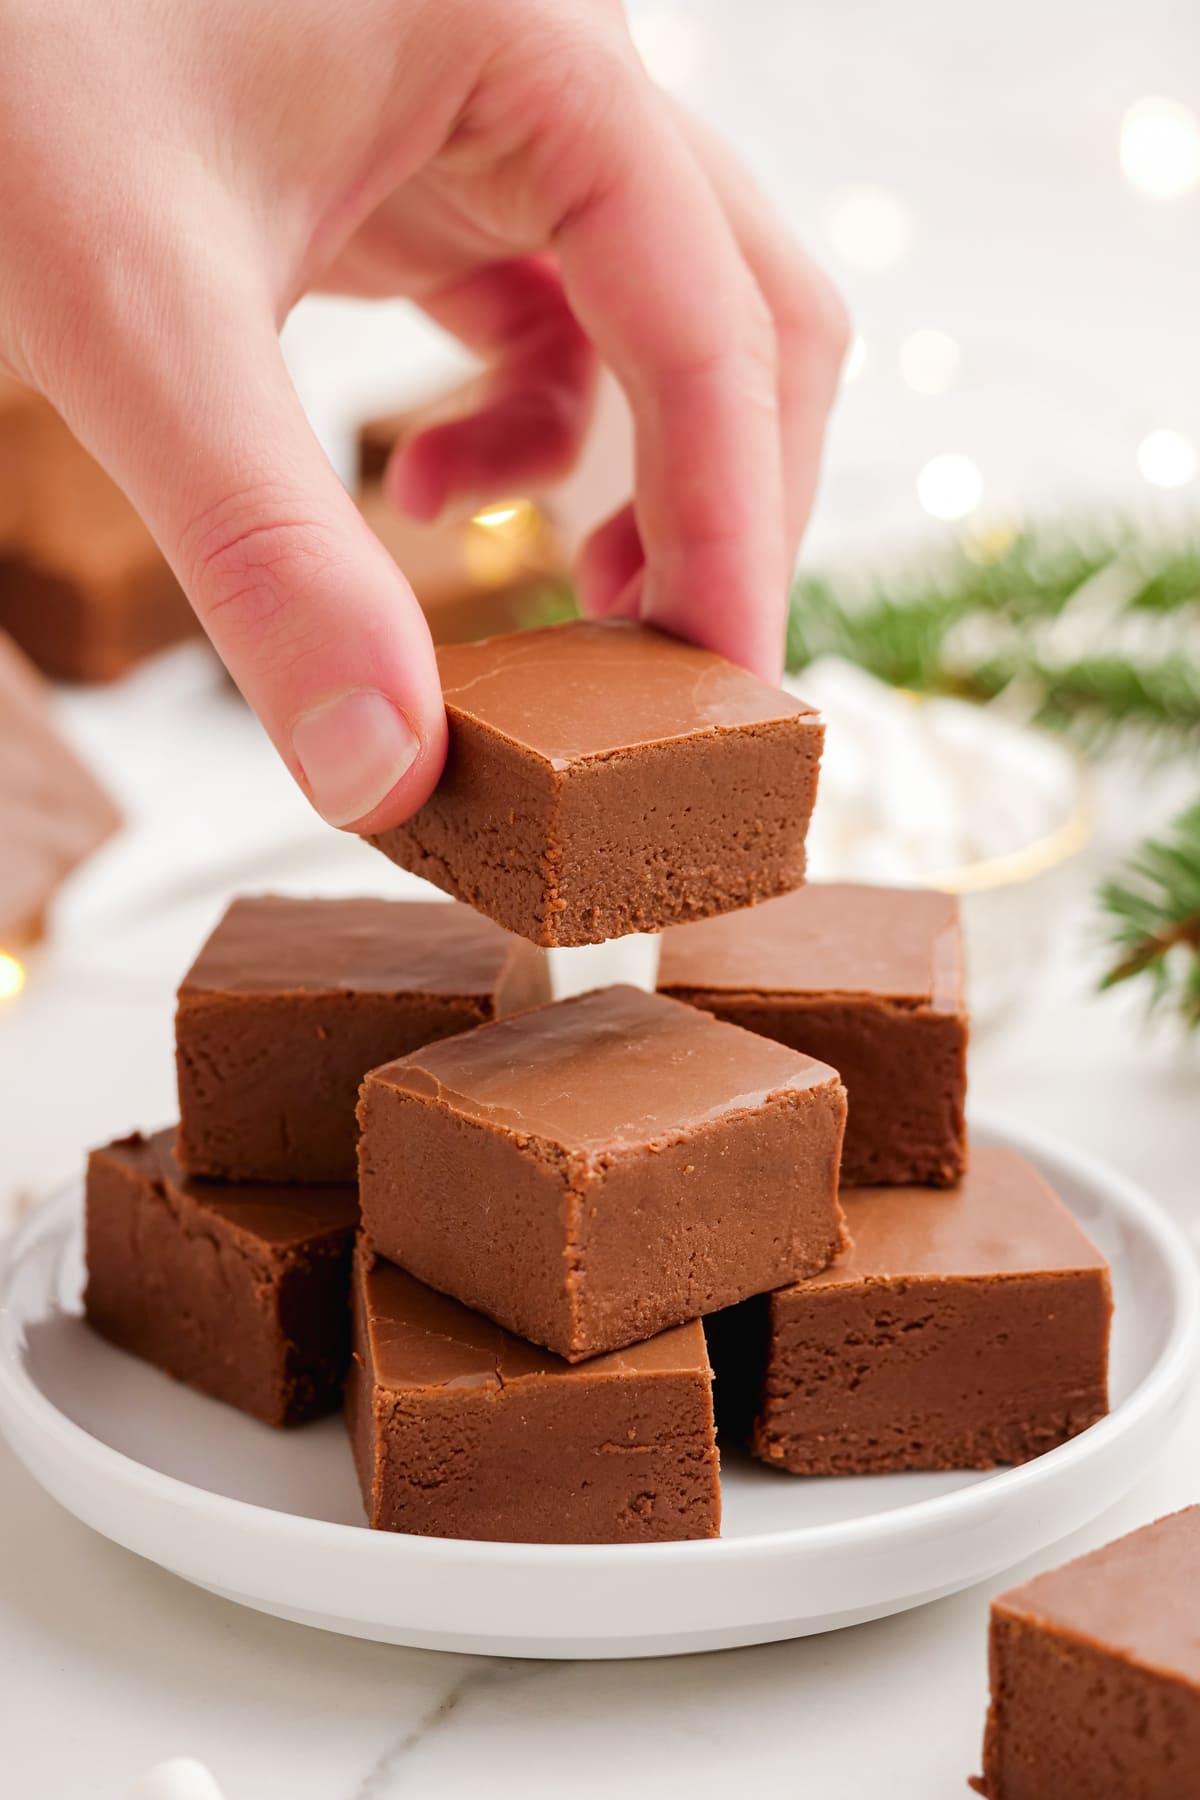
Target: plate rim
column 22, row 1403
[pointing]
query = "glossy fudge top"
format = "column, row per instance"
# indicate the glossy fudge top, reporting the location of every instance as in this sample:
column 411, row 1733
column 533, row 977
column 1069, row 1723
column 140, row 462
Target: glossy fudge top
column 570, row 692
column 269, row 944
column 1003, row 1220
column 1136, row 1597
column 420, row 1338
column 279, row 1214
column 900, row 944
column 610, row 1070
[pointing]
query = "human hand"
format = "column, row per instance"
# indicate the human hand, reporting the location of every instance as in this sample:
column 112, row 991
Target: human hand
column 174, row 178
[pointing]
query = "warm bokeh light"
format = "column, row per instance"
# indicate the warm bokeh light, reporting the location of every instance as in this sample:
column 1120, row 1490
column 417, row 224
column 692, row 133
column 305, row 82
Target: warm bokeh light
column 12, row 976
column 1160, row 147
column 499, row 541
column 856, row 358
column 929, row 361
column 949, row 486
column 1167, row 459
column 509, row 518
column 869, row 228
column 990, row 541
column 670, row 43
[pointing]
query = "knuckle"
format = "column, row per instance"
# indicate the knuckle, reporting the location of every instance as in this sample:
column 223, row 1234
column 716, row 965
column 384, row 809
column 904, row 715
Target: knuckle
column 809, row 310
column 250, row 560
column 581, row 91
column 745, row 362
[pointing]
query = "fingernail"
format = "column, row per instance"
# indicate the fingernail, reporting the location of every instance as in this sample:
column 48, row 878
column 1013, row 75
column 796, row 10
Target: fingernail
column 352, row 751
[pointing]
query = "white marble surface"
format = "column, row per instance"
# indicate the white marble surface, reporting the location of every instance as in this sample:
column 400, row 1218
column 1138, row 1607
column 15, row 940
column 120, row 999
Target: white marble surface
column 994, row 128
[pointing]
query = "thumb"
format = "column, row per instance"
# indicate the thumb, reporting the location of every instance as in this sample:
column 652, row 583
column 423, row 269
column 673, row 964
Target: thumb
column 309, row 613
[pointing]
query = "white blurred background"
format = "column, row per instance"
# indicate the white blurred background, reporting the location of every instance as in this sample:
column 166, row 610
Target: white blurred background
column 1008, row 197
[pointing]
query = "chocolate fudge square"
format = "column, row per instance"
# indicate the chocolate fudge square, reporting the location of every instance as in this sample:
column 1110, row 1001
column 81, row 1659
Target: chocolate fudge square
column 963, row 1328
column 460, row 1430
column 102, row 605
column 240, row 1292
column 290, row 1002
column 592, row 1172
column 604, row 779
column 84, row 589
column 867, row 979
column 1095, row 1674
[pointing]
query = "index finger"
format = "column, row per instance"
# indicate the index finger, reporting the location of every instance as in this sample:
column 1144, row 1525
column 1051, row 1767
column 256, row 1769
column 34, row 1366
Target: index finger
column 654, row 274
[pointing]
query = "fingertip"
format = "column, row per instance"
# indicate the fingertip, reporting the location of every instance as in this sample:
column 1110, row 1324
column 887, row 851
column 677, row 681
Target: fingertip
column 412, row 788
column 608, row 561
column 416, row 480
column 364, row 762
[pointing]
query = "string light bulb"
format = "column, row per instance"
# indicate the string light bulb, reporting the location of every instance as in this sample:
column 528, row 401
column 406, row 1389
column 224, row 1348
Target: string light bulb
column 1160, row 147
column 929, row 361
column 510, row 518
column 868, row 228
column 499, row 540
column 1167, row 459
column 12, row 976
column 950, row 486
column 856, row 358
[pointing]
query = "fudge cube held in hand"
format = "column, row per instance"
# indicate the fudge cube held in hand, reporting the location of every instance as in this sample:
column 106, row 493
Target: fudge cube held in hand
column 290, row 1002
column 242, row 1292
column 592, row 1172
column 867, row 979
column 604, row 779
column 963, row 1327
column 460, row 1430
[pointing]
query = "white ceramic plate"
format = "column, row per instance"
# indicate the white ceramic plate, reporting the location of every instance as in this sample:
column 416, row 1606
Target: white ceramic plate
column 273, row 1520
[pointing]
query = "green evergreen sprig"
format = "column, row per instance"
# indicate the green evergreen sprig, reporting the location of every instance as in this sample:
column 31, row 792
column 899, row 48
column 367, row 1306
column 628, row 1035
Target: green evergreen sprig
column 1100, row 635
column 1153, row 909
column 1096, row 633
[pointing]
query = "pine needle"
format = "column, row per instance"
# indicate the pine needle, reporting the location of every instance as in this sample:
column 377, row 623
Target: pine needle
column 1153, row 910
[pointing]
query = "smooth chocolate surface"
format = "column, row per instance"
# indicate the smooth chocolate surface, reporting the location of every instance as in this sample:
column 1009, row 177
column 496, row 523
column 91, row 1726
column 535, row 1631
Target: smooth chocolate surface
column 867, row 979
column 240, row 1292
column 461, row 1430
column 53, row 810
column 605, row 778
column 592, row 1172
column 961, row 1328
column 1095, row 1674
column 291, row 1001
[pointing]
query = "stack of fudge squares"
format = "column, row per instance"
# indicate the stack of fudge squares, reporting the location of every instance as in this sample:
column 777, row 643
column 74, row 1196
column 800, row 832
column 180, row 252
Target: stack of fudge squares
column 524, row 1240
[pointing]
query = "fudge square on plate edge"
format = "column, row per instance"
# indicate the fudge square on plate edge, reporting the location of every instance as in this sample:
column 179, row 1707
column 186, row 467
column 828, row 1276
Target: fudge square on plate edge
column 461, row 1430
column 242, row 1292
column 867, row 979
column 962, row 1328
column 1095, row 1674
column 604, row 778
column 592, row 1172
column 290, row 1002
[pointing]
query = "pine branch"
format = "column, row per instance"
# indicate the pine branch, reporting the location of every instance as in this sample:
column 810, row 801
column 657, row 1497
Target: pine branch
column 1154, row 917
column 1099, row 632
